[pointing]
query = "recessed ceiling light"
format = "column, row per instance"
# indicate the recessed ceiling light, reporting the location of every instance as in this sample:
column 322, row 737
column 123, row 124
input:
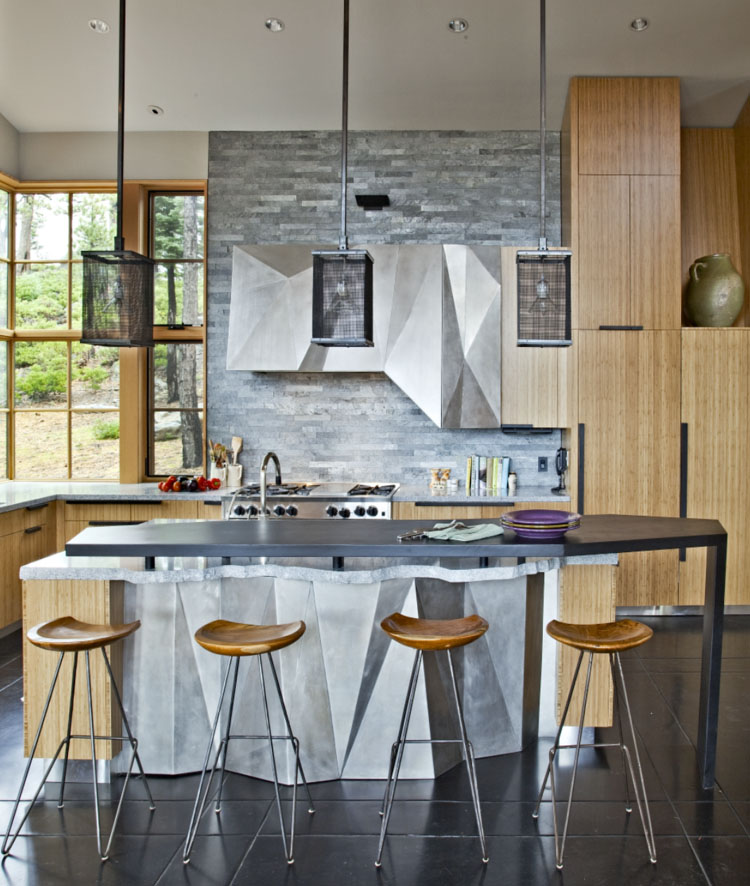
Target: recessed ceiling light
column 458, row 25
column 155, row 110
column 639, row 24
column 274, row 25
column 98, row 26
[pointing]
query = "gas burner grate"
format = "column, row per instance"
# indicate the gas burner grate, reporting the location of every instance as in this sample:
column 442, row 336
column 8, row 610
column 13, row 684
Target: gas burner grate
column 274, row 489
column 369, row 489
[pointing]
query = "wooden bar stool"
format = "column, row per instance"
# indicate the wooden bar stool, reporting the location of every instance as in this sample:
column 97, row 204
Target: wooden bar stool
column 237, row 641
column 429, row 635
column 63, row 635
column 612, row 638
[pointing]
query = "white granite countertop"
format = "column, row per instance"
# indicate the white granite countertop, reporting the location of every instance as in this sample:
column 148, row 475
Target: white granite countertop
column 168, row 570
column 18, row 494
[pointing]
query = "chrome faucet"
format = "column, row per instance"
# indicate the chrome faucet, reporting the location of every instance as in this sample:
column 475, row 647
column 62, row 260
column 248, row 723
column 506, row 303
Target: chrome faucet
column 263, row 468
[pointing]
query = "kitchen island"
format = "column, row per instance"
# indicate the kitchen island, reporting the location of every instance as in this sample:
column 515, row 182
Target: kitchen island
column 433, row 573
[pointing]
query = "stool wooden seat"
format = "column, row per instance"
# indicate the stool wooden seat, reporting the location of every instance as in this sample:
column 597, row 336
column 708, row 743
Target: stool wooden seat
column 610, row 636
column 67, row 634
column 237, row 640
column 429, row 634
column 234, row 638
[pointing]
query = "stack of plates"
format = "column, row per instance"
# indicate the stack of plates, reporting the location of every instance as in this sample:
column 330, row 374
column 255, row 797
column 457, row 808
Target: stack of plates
column 541, row 524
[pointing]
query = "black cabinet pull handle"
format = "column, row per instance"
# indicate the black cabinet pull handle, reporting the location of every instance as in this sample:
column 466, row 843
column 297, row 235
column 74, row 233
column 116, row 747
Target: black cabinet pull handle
column 581, row 462
column 37, row 507
column 213, row 504
column 32, row 529
column 683, row 477
column 621, row 328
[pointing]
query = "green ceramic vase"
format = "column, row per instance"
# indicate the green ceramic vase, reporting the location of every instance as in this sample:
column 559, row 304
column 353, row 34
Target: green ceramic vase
column 715, row 293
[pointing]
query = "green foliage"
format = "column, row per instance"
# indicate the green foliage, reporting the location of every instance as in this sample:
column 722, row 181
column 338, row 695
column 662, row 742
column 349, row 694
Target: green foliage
column 41, row 384
column 107, row 430
column 94, row 376
column 42, row 297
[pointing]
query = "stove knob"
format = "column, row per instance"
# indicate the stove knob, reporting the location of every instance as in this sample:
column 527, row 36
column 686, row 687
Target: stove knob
column 240, row 510
column 372, row 511
column 291, row 511
column 331, row 511
column 253, row 511
column 344, row 512
column 279, row 510
column 359, row 511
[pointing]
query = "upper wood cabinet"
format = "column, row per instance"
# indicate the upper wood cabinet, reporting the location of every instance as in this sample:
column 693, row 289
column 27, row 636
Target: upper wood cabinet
column 621, row 201
column 628, row 251
column 628, row 125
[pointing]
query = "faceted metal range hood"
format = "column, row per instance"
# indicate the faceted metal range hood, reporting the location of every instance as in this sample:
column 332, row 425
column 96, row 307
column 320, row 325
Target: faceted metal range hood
column 436, row 324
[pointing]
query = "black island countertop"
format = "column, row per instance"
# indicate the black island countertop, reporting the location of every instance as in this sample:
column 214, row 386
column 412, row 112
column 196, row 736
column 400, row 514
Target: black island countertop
column 598, row 534
column 339, row 539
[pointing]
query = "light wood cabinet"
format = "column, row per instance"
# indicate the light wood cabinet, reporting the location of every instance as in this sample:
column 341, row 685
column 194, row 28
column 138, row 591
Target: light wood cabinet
column 629, row 251
column 716, row 409
column 533, row 380
column 628, row 125
column 628, row 404
column 622, row 199
column 26, row 534
column 79, row 515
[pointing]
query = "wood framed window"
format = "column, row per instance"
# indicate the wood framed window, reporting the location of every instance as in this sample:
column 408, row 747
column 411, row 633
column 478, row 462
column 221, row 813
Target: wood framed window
column 69, row 411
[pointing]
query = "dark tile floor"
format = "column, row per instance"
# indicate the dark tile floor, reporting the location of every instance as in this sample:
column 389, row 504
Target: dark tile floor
column 702, row 837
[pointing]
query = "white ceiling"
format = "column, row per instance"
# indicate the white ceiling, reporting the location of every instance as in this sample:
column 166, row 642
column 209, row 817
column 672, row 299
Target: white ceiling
column 212, row 65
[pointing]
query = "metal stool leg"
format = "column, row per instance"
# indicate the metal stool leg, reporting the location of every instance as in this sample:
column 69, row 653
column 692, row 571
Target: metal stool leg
column 411, row 687
column 556, row 745
column 200, row 797
column 61, row 800
column 639, row 787
column 102, row 855
column 469, row 756
column 9, row 841
column 390, row 790
column 131, row 738
column 623, row 749
column 311, row 807
column 560, row 846
column 289, row 853
column 224, row 743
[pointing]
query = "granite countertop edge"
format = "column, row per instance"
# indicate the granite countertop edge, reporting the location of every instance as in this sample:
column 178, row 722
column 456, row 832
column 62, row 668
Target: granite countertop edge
column 59, row 567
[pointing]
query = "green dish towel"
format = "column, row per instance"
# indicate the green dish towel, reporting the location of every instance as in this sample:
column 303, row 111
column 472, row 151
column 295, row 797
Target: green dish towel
column 461, row 532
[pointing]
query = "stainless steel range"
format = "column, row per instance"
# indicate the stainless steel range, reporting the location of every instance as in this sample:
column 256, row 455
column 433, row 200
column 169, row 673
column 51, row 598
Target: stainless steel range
column 360, row 501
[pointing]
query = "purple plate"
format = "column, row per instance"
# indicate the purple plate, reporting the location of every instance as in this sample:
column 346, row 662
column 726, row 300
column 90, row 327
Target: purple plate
column 541, row 533
column 540, row 517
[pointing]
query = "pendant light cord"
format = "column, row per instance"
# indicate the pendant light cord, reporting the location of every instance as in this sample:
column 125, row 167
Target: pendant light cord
column 119, row 241
column 343, row 242
column 542, row 125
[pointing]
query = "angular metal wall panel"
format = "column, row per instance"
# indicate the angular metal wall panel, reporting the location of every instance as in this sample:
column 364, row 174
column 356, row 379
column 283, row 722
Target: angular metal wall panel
column 436, row 324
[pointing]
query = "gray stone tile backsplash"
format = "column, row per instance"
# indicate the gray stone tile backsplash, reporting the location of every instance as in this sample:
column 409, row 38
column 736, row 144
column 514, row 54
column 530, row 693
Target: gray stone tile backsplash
column 446, row 187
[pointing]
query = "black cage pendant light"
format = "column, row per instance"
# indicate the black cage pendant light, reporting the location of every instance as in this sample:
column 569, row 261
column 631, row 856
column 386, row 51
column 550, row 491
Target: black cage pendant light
column 342, row 278
column 543, row 274
column 118, row 285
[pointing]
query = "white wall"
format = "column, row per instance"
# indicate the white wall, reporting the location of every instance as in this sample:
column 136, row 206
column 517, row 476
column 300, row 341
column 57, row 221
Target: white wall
column 60, row 156
column 9, row 148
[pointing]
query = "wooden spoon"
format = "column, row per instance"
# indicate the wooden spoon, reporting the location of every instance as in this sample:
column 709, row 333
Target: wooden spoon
column 236, row 448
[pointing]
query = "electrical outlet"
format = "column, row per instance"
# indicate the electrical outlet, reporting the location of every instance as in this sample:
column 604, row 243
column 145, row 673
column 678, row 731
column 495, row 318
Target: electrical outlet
column 542, row 463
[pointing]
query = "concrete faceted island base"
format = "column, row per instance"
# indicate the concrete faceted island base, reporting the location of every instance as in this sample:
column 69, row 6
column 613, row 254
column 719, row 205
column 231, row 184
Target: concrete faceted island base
column 344, row 681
